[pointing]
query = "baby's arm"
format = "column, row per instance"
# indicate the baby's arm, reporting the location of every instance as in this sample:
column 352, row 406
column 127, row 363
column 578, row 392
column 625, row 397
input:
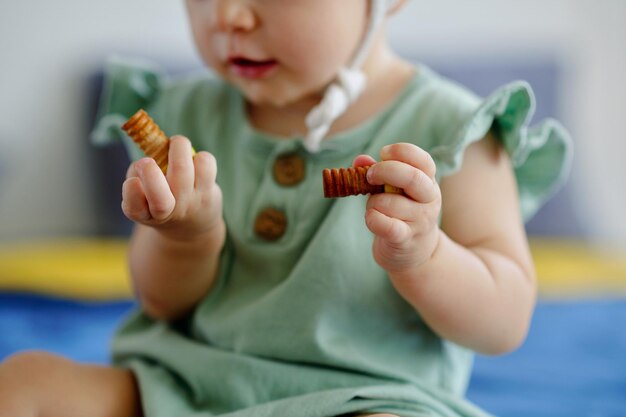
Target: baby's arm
column 472, row 280
column 175, row 247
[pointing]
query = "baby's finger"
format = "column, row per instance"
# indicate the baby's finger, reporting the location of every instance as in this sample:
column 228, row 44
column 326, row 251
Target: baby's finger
column 131, row 171
column 393, row 230
column 161, row 201
column 410, row 154
column 205, row 171
column 180, row 167
column 363, row 161
column 415, row 182
column 134, row 203
column 394, row 205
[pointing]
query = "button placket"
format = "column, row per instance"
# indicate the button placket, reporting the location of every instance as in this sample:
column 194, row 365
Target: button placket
column 289, row 169
column 284, row 168
column 270, row 224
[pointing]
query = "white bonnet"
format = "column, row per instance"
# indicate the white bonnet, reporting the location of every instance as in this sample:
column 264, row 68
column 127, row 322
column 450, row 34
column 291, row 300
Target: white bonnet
column 347, row 87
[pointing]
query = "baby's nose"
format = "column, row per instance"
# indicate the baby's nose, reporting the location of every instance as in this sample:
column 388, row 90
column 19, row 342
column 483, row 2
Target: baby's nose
column 233, row 15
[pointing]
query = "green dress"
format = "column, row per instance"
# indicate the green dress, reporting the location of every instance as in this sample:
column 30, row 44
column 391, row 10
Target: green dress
column 308, row 325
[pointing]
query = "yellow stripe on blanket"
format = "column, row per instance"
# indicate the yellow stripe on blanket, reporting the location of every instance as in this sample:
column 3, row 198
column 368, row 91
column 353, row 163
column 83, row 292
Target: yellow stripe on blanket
column 571, row 268
column 76, row 268
column 96, row 268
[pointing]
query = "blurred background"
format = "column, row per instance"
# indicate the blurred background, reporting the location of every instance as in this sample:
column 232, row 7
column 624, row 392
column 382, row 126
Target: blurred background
column 49, row 54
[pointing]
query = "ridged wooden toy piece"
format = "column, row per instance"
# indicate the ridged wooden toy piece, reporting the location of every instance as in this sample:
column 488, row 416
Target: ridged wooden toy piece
column 343, row 182
column 149, row 137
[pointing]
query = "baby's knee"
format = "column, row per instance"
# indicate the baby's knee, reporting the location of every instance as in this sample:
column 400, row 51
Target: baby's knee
column 29, row 361
column 25, row 371
column 24, row 380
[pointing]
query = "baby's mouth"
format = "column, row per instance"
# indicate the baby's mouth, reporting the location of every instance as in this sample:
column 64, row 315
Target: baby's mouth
column 250, row 68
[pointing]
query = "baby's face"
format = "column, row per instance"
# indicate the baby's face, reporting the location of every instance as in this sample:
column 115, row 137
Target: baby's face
column 277, row 52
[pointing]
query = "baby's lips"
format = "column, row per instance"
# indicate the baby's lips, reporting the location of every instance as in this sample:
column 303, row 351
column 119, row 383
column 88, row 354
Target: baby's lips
column 251, row 68
column 245, row 61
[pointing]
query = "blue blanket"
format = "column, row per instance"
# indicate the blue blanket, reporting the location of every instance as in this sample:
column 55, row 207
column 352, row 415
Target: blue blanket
column 573, row 363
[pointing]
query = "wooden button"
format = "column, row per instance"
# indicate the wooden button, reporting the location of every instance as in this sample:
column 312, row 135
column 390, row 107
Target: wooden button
column 289, row 169
column 270, row 224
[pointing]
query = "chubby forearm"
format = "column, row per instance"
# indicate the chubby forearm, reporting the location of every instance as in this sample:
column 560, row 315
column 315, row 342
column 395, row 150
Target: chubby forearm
column 455, row 249
column 475, row 296
column 171, row 276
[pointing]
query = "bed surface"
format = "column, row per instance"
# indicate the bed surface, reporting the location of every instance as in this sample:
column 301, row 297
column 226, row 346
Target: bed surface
column 69, row 297
column 573, row 363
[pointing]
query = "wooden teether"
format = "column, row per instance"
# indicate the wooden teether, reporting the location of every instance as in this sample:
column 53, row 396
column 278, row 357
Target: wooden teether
column 149, row 137
column 343, row 182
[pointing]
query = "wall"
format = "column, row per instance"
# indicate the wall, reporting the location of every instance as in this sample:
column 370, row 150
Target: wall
column 589, row 39
column 48, row 51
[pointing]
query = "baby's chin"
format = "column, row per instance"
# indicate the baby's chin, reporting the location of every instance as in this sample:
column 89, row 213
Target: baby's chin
column 281, row 98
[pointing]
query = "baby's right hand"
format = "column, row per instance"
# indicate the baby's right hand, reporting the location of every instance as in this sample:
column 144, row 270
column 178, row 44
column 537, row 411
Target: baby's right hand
column 185, row 204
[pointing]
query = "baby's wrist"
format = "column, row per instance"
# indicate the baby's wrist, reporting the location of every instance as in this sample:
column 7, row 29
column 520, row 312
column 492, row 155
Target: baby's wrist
column 210, row 239
column 416, row 275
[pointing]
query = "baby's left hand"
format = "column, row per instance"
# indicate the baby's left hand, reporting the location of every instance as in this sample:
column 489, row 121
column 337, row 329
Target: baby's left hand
column 405, row 226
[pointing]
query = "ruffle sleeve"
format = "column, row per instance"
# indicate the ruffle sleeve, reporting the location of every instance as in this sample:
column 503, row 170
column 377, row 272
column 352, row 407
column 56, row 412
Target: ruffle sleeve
column 541, row 155
column 128, row 86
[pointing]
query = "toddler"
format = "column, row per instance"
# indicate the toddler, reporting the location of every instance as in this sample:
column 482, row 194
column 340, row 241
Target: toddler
column 258, row 297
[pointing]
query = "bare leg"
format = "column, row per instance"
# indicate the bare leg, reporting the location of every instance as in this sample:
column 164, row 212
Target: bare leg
column 36, row 384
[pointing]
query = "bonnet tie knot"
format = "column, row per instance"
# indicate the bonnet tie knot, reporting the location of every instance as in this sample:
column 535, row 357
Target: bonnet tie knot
column 338, row 96
column 348, row 85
